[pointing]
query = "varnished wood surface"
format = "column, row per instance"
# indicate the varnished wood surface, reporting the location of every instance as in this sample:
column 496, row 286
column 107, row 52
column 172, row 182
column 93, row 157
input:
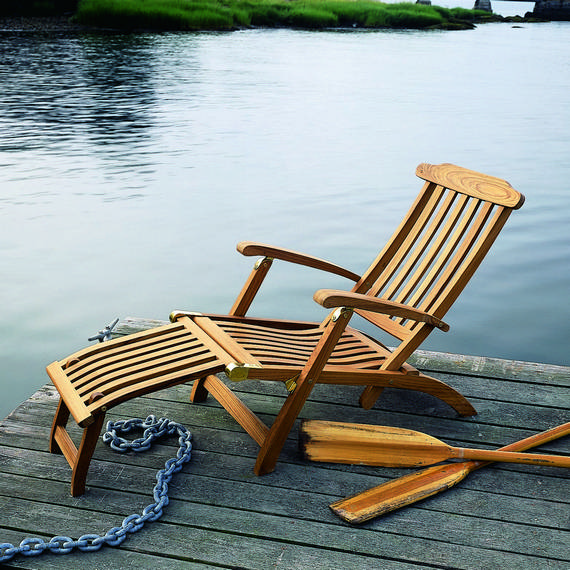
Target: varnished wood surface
column 222, row 516
column 473, row 183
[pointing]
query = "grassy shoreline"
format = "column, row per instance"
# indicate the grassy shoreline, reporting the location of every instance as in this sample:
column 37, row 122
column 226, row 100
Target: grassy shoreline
column 211, row 15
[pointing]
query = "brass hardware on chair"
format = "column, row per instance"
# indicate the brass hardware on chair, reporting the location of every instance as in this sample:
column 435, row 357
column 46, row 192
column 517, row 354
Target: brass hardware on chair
column 238, row 372
column 291, row 384
column 175, row 315
column 261, row 261
column 341, row 312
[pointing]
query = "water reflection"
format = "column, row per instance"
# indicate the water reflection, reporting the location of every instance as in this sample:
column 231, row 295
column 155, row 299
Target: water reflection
column 118, row 72
column 78, row 96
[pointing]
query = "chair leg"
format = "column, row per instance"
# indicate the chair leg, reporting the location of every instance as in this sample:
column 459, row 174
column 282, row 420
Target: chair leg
column 279, row 431
column 85, row 453
column 199, row 391
column 78, row 459
column 59, row 421
column 369, row 396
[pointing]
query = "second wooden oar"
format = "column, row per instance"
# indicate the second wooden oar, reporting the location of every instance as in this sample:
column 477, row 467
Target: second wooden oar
column 420, row 485
column 340, row 442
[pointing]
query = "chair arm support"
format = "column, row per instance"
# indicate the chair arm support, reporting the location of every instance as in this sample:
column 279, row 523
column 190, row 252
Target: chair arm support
column 331, row 298
column 254, row 248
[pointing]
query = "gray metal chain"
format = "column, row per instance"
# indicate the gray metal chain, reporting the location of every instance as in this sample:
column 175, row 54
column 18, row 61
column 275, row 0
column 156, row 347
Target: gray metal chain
column 153, row 429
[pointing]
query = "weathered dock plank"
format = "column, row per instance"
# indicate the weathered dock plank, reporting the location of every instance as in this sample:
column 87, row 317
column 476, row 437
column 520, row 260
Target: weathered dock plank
column 222, row 516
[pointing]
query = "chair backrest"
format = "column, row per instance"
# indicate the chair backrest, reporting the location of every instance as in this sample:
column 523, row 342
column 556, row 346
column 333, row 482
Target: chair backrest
column 438, row 246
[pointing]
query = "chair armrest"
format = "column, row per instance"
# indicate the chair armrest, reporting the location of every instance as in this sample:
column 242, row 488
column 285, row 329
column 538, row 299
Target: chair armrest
column 254, row 248
column 330, row 298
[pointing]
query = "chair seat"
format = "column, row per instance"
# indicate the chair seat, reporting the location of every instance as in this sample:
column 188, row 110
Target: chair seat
column 289, row 344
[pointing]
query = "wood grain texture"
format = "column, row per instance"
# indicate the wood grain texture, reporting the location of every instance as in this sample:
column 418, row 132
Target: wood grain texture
column 472, row 183
column 255, row 248
column 365, row 444
column 406, row 292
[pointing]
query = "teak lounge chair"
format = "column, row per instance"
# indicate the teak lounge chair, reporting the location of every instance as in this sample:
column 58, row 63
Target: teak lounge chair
column 406, row 292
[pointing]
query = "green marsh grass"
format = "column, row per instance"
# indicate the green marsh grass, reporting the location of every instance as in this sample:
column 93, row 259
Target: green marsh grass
column 235, row 14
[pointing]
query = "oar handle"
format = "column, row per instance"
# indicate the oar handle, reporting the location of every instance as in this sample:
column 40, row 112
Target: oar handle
column 511, row 457
column 527, row 443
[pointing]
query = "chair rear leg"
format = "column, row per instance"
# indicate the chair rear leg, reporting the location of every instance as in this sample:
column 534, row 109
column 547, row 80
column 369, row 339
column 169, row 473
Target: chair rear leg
column 199, row 391
column 369, row 396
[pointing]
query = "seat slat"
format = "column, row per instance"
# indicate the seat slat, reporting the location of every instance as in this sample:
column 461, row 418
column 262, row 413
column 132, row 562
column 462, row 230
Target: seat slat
column 122, row 343
column 220, row 340
column 117, row 371
column 106, row 362
column 68, row 393
column 276, row 326
column 281, row 349
column 152, row 383
column 281, row 341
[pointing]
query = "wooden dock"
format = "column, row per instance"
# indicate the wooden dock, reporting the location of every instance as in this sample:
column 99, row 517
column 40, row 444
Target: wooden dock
column 222, row 516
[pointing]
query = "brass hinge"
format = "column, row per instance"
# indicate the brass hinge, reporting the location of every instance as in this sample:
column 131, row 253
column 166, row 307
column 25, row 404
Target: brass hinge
column 238, row 372
column 175, row 315
column 341, row 312
column 261, row 261
column 291, row 384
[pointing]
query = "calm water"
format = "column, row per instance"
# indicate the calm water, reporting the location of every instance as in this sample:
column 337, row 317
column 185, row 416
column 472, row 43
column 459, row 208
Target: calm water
column 131, row 165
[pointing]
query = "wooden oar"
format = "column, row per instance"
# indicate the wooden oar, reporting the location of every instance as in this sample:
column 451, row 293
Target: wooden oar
column 340, row 442
column 409, row 489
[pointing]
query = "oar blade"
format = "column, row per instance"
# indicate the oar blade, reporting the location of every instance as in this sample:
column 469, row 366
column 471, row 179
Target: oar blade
column 362, row 444
column 400, row 492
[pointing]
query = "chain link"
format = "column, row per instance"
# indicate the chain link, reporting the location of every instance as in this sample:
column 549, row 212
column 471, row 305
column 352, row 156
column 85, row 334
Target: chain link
column 153, row 429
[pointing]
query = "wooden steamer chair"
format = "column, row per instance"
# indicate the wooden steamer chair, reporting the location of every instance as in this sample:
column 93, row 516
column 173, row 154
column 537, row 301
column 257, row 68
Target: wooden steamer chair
column 406, row 292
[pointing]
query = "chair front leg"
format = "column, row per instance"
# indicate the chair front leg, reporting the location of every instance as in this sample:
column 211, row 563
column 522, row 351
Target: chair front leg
column 279, row 431
column 85, row 453
column 59, row 423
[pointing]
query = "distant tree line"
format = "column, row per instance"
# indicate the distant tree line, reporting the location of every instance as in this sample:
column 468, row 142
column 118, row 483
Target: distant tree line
column 37, row 7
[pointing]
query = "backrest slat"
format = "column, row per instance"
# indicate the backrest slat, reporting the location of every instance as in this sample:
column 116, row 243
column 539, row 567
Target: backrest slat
column 439, row 244
column 461, row 248
column 407, row 238
column 371, row 275
column 418, row 281
column 450, row 256
column 429, row 235
column 459, row 278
